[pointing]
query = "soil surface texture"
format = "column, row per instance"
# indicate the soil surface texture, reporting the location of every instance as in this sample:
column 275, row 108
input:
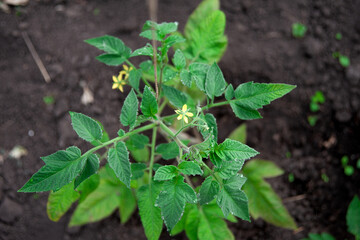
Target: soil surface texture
column 261, row 49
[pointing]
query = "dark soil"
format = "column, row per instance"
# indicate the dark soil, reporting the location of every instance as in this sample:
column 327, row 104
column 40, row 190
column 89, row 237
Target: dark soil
column 260, row 49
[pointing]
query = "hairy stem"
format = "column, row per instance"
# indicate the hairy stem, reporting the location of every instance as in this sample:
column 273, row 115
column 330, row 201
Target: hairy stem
column 152, row 158
column 114, row 140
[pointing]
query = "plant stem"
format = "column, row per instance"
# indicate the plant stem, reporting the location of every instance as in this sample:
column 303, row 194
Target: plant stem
column 152, row 158
column 218, row 104
column 172, row 135
column 135, row 131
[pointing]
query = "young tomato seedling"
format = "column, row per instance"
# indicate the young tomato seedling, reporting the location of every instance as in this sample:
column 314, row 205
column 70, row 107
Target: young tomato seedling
column 162, row 192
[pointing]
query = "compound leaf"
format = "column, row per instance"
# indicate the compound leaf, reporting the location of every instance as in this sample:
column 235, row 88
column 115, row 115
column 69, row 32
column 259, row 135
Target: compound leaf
column 86, row 127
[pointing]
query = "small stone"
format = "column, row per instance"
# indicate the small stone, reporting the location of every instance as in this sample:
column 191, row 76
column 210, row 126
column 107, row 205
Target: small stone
column 23, row 25
column 10, row 210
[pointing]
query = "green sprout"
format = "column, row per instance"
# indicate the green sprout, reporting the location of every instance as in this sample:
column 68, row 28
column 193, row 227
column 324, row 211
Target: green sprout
column 344, row 161
column 49, row 100
column 344, row 61
column 298, row 30
column 324, row 177
column 96, row 11
column 288, row 154
column 349, row 170
column 291, row 177
column 312, row 120
column 338, row 36
column 358, row 163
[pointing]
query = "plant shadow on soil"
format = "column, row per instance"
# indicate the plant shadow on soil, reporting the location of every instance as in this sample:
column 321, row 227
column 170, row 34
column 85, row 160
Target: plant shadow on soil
column 260, row 49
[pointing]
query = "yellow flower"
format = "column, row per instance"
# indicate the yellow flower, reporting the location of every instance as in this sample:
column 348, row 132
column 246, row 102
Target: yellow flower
column 184, row 113
column 120, row 80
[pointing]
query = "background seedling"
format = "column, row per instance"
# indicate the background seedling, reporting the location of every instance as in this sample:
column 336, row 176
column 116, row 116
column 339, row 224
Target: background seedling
column 298, row 30
column 324, row 177
column 338, row 36
column 291, row 177
column 49, row 100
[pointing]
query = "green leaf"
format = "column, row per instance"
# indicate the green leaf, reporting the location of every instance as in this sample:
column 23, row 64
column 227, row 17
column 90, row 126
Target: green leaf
column 179, row 60
column 168, row 150
column 244, row 112
column 229, row 168
column 88, row 186
column 176, row 98
column 60, row 201
column 190, row 168
column 198, row 74
column 239, row 134
column 149, row 105
column 108, row 44
column 215, row 82
column 144, row 51
column 86, row 127
column 129, row 110
column 150, row 214
column 234, row 150
column 323, row 236
column 166, row 173
column 232, row 200
column 180, row 226
column 207, row 43
column 229, row 92
column 137, row 141
column 111, row 59
column 60, row 169
column 90, row 168
column 172, row 200
column 134, row 78
column 99, row 204
column 185, row 78
column 127, row 203
column 104, row 138
column 141, row 155
column 137, row 170
column 208, row 190
column 211, row 226
column 353, row 217
column 211, row 123
column 263, row 201
column 167, row 28
column 118, row 158
column 204, row 9
column 258, row 168
column 252, row 96
column 174, row 39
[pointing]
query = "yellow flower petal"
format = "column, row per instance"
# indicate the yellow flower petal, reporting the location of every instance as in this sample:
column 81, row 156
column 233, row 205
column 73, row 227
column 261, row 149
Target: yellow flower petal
column 131, row 68
column 115, row 85
column 123, row 83
column 186, row 119
column 115, row 79
column 126, row 68
column 178, row 111
column 189, row 114
column 121, row 88
column 184, row 108
column 179, row 117
column 126, row 76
